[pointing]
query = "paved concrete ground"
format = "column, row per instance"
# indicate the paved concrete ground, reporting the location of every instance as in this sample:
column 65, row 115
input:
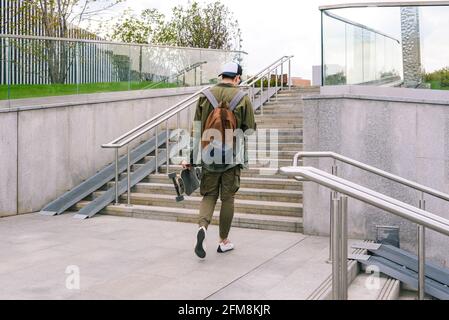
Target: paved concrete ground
column 126, row 258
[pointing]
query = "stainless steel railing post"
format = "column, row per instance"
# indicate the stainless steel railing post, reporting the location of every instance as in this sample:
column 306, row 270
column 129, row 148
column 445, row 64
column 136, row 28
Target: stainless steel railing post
column 269, row 86
column 8, row 73
column 128, row 175
column 277, row 84
column 422, row 254
column 331, row 226
column 333, row 194
column 336, row 250
column 289, row 74
column 261, row 96
column 343, row 215
column 156, row 154
column 116, row 177
column 253, row 90
column 167, row 147
column 189, row 120
column 282, row 76
column 178, row 134
column 422, row 261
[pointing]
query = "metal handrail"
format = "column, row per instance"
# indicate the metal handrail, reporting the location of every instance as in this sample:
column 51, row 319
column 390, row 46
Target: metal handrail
column 264, row 70
column 183, row 72
column 363, row 166
column 165, row 116
column 268, row 70
column 339, row 233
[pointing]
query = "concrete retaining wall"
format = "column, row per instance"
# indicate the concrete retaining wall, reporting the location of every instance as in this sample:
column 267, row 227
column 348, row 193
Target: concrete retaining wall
column 402, row 131
column 50, row 145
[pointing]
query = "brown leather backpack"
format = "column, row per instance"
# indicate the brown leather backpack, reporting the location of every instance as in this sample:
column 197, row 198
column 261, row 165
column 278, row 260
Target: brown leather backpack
column 222, row 118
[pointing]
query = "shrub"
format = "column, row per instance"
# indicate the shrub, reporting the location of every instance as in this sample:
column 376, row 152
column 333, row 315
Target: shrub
column 441, row 76
column 335, row 79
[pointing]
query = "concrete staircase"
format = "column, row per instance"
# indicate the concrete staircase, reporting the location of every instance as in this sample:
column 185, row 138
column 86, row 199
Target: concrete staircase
column 366, row 284
column 266, row 199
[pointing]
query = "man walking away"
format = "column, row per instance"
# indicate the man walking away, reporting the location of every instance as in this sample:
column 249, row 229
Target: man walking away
column 223, row 107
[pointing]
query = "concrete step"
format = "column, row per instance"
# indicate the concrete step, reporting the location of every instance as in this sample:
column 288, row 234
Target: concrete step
column 277, row 125
column 272, row 111
column 324, row 290
column 279, row 122
column 280, row 116
column 361, row 286
column 364, row 287
column 286, row 103
column 281, row 132
column 246, row 182
column 276, row 208
column 281, row 146
column 275, row 112
column 285, row 138
column 261, row 193
column 241, row 220
column 270, row 152
column 252, row 172
column 273, row 162
column 271, row 108
column 300, row 89
column 286, row 99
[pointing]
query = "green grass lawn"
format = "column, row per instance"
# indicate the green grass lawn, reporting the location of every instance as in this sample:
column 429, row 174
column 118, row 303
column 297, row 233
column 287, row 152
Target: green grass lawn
column 44, row 90
column 437, row 85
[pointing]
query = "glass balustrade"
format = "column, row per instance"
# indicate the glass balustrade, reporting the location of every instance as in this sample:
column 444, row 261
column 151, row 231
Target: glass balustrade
column 36, row 67
column 386, row 44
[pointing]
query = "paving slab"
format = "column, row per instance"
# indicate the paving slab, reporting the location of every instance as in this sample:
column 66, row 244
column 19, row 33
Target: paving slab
column 129, row 258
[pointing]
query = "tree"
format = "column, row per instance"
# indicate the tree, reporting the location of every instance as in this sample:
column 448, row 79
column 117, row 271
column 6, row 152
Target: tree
column 192, row 25
column 61, row 19
column 212, row 26
column 137, row 29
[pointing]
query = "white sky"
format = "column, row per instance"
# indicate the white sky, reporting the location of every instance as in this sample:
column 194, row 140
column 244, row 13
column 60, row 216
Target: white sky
column 270, row 28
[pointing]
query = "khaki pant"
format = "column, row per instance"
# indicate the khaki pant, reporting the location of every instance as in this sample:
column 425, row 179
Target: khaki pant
column 213, row 184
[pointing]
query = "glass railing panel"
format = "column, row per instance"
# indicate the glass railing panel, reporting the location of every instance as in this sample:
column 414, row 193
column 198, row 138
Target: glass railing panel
column 434, row 23
column 401, row 46
column 39, row 67
column 369, row 56
column 354, row 54
column 334, row 32
column 4, row 69
column 215, row 60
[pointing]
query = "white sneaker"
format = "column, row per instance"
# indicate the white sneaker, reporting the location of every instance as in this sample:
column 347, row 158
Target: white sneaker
column 200, row 248
column 225, row 246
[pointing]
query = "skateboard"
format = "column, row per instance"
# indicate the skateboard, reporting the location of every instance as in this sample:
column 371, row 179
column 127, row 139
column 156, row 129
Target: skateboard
column 187, row 182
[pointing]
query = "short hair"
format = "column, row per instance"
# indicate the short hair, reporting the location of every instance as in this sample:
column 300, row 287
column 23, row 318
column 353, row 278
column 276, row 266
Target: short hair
column 228, row 77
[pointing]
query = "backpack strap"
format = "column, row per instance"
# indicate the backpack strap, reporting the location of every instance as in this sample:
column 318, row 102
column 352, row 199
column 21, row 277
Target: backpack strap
column 210, row 96
column 236, row 100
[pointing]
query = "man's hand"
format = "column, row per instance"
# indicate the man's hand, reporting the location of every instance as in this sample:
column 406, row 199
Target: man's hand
column 186, row 165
